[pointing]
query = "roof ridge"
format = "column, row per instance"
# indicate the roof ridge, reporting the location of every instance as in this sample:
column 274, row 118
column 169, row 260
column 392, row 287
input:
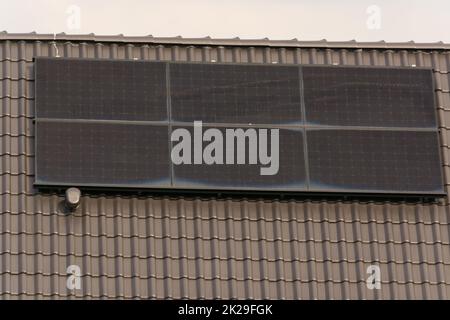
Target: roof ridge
column 350, row 44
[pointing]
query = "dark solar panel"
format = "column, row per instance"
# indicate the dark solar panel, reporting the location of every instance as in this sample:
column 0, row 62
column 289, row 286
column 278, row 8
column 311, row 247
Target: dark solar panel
column 100, row 89
column 100, row 154
column 235, row 93
column 378, row 161
column 77, row 147
column 289, row 176
column 369, row 97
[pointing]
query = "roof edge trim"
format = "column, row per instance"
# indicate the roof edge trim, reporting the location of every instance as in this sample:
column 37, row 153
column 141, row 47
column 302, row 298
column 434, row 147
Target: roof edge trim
column 208, row 41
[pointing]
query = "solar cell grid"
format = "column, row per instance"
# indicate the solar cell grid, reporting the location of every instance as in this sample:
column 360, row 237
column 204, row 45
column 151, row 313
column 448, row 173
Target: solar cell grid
column 369, row 97
column 102, row 154
column 290, row 175
column 101, row 89
column 218, row 93
column 390, row 161
column 395, row 148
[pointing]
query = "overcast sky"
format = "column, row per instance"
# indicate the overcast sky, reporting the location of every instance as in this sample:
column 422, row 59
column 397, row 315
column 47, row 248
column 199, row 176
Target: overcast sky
column 401, row 20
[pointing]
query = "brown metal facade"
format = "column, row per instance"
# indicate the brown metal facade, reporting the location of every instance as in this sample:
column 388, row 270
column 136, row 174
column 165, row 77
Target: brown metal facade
column 184, row 247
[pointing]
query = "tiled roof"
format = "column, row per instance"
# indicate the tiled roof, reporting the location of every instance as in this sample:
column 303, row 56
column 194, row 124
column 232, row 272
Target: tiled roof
column 175, row 247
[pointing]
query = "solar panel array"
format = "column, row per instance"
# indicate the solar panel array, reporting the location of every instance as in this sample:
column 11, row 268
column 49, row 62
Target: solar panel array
column 108, row 123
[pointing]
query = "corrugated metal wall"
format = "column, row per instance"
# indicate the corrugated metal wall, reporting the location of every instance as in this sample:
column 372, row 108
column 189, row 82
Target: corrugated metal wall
column 150, row 247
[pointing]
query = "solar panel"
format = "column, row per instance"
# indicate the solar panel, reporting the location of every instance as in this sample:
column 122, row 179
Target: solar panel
column 358, row 96
column 101, row 89
column 374, row 161
column 289, row 176
column 113, row 123
column 102, row 154
column 235, row 93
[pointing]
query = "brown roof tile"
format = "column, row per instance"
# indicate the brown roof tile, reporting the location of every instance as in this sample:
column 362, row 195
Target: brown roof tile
column 175, row 247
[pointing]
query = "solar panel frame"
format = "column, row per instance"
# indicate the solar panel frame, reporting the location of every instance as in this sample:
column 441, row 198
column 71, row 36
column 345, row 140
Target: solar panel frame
column 303, row 126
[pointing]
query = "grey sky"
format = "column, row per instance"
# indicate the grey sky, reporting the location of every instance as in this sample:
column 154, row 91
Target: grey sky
column 401, row 20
